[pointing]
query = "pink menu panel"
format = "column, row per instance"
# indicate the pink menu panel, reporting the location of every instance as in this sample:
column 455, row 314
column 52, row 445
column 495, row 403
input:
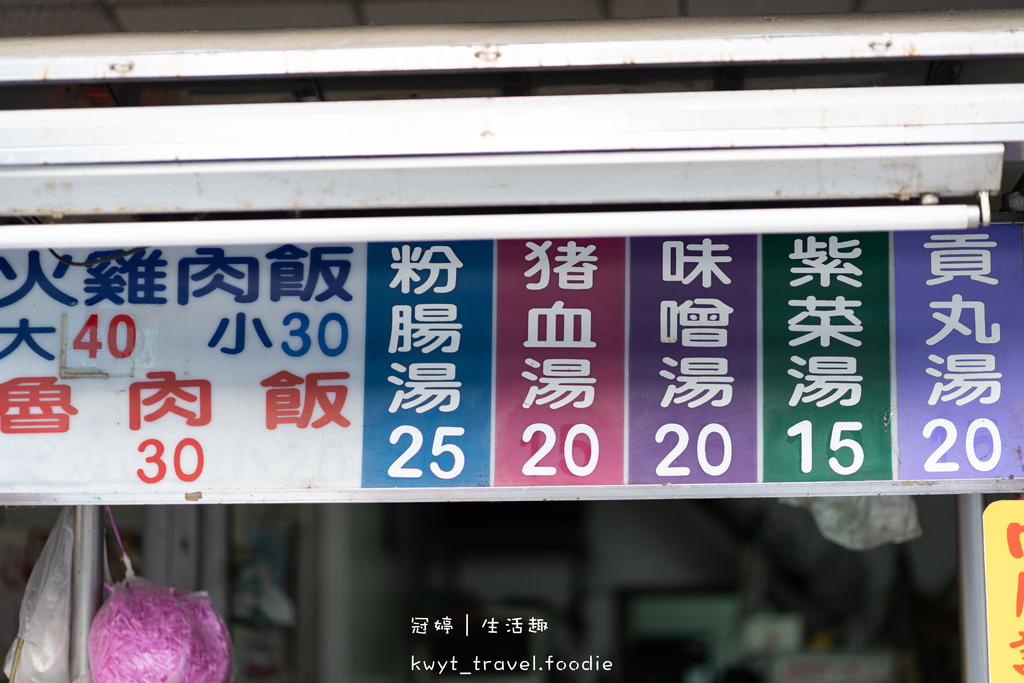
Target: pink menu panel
column 560, row 359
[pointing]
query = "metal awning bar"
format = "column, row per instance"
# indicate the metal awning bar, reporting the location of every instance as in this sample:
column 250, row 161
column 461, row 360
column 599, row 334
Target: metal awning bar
column 737, row 175
column 515, row 493
column 704, row 120
column 510, row 46
column 503, row 226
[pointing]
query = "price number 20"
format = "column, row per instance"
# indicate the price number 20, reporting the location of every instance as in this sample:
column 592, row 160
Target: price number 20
column 668, row 467
column 532, row 467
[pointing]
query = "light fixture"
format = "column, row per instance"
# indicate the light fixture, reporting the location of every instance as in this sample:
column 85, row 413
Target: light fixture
column 493, row 226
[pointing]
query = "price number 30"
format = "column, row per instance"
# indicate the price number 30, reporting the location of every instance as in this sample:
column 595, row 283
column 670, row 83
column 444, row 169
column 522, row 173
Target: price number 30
column 187, row 460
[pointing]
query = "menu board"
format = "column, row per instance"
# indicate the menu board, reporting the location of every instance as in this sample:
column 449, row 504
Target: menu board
column 668, row 365
column 1004, row 588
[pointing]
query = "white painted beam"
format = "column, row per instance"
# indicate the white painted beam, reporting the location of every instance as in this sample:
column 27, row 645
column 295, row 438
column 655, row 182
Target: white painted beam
column 793, row 174
column 667, row 41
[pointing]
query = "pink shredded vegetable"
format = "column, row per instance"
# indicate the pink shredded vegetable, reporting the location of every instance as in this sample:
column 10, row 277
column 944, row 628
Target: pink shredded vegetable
column 148, row 633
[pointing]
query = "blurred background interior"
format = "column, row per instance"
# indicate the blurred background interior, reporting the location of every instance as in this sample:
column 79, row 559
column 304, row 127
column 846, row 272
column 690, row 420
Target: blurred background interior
column 673, row 591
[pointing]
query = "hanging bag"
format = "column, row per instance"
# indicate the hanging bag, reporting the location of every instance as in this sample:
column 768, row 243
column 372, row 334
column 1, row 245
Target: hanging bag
column 148, row 633
column 41, row 652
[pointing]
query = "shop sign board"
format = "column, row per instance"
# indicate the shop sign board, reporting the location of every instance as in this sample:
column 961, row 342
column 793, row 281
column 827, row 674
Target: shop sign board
column 1004, row 588
column 958, row 342
column 624, row 364
column 827, row 393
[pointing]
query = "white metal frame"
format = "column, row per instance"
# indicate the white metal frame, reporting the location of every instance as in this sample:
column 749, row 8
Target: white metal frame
column 652, row 42
column 920, row 115
column 510, row 493
column 512, row 226
column 678, row 147
column 945, row 140
column 477, row 180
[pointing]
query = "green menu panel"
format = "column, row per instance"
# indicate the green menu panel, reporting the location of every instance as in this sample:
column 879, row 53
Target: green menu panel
column 826, row 381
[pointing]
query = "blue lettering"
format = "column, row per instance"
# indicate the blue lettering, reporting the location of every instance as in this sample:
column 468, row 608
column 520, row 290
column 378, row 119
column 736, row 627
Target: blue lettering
column 299, row 332
column 35, row 276
column 216, row 267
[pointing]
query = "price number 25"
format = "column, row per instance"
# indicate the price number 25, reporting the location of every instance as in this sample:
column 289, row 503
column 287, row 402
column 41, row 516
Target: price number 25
column 454, row 457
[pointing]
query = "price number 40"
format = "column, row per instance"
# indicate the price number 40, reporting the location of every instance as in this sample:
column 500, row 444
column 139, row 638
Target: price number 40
column 120, row 336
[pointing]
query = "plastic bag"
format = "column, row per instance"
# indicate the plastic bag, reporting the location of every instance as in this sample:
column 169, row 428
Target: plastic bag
column 41, row 652
column 148, row 633
column 863, row 523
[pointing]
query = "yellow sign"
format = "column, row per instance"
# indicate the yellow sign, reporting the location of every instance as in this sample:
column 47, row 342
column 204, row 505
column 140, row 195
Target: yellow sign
column 1004, row 589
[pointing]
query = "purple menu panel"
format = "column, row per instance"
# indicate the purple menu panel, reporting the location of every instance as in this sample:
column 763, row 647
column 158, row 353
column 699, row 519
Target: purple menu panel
column 959, row 366
column 693, row 360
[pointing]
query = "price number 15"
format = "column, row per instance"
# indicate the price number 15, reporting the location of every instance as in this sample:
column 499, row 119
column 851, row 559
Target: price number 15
column 836, row 442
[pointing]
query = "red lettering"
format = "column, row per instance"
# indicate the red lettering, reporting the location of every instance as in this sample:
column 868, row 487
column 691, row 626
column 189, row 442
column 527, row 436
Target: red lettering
column 35, row 405
column 286, row 404
column 88, row 338
column 167, row 394
column 161, row 467
column 156, row 458
column 1013, row 532
column 178, row 470
column 116, row 350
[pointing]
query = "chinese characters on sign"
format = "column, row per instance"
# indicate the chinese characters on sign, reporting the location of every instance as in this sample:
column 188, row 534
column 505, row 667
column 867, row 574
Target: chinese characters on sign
column 1004, row 588
column 159, row 366
column 693, row 370
column 428, row 365
column 560, row 379
column 548, row 362
column 826, row 357
column 959, row 370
